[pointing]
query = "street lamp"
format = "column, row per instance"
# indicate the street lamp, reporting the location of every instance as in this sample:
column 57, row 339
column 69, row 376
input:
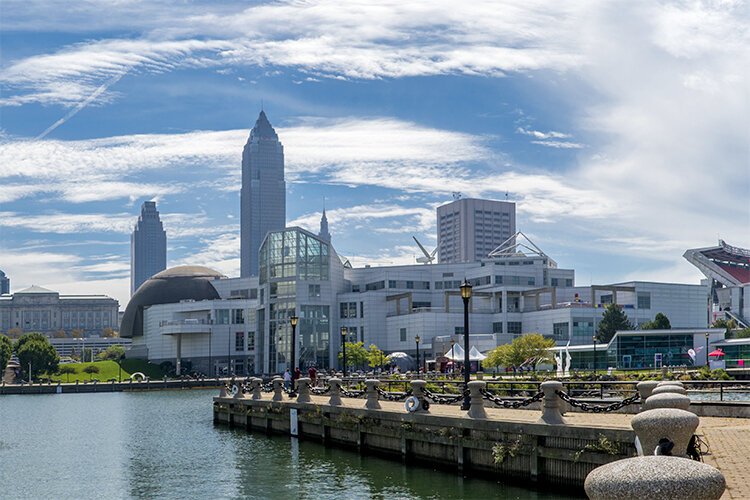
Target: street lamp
column 293, row 321
column 707, row 363
column 344, row 332
column 416, row 339
column 594, row 338
column 466, row 296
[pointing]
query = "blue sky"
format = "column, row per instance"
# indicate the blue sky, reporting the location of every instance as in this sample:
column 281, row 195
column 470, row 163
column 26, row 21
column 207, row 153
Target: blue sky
column 620, row 129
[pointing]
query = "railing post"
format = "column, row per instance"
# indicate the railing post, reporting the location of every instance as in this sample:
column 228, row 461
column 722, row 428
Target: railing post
column 223, row 392
column 551, row 403
column 371, row 392
column 278, row 389
column 418, row 390
column 303, row 390
column 255, row 387
column 335, row 399
column 476, row 410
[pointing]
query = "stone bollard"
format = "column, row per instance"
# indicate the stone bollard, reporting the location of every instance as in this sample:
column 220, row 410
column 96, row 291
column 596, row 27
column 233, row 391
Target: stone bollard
column 371, row 392
column 645, row 389
column 476, row 410
column 655, row 478
column 223, row 392
column 418, row 391
column 676, row 425
column 669, row 389
column 671, row 382
column 335, row 399
column 303, row 390
column 551, row 404
column 240, row 392
column 278, row 389
column 256, row 387
column 667, row 400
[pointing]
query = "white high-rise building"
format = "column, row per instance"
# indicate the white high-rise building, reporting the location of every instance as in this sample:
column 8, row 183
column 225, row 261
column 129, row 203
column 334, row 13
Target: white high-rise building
column 148, row 246
column 263, row 195
column 469, row 229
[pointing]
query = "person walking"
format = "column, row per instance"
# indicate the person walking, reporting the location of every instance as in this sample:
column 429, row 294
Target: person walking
column 287, row 380
column 312, row 373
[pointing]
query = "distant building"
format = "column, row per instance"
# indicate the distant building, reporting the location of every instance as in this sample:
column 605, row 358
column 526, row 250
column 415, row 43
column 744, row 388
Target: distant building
column 37, row 309
column 70, row 346
column 148, row 246
column 324, row 234
column 4, row 284
column 469, row 229
column 263, row 194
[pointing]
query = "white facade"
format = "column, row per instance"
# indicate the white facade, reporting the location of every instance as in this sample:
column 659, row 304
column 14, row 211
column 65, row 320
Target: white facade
column 469, row 229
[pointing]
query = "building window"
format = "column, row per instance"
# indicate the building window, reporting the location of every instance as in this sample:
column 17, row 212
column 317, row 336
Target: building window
column 515, row 328
column 391, row 283
column 644, row 301
column 348, row 310
column 569, row 282
column 402, row 332
column 313, row 290
column 378, row 285
column 560, row 331
column 238, row 317
column 222, row 316
column 361, row 309
column 458, row 330
column 239, row 341
column 497, row 327
column 532, row 281
column 250, row 341
column 553, row 282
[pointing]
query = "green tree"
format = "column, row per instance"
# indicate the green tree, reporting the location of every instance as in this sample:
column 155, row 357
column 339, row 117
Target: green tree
column 727, row 324
column 6, row 351
column 529, row 348
column 742, row 334
column 91, row 369
column 613, row 319
column 356, row 354
column 41, row 355
column 28, row 337
column 66, row 370
column 660, row 322
column 375, row 357
column 114, row 353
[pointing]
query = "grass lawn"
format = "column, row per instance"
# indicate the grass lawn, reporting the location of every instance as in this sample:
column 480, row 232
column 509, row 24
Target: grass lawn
column 109, row 370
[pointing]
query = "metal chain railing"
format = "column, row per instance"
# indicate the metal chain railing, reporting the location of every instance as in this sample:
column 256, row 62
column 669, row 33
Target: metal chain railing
column 444, row 399
column 394, row 396
column 512, row 404
column 598, row 408
column 319, row 391
column 267, row 387
column 352, row 394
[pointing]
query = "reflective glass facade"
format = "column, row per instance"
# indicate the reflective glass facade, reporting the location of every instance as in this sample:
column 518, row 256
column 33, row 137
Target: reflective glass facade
column 644, row 351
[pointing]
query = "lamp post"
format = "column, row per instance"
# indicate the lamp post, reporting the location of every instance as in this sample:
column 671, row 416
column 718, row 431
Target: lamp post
column 707, row 363
column 344, row 332
column 594, row 339
column 293, row 321
column 466, row 296
column 416, row 339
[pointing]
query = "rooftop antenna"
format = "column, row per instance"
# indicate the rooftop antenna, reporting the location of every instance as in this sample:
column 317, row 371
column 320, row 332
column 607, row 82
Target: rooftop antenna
column 261, row 105
column 506, row 196
column 456, row 195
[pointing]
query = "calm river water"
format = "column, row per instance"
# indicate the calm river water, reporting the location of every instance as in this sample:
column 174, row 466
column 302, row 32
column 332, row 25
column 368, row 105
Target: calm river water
column 164, row 445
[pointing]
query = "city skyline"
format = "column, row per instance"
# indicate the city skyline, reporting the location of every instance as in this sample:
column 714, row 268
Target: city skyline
column 620, row 155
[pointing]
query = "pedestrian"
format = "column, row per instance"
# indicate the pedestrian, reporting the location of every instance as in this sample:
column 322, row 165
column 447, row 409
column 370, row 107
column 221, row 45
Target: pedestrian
column 296, row 375
column 312, row 373
column 514, row 370
column 287, row 380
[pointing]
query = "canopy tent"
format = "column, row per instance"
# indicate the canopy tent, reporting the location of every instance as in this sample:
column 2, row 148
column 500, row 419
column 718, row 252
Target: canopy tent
column 716, row 353
column 475, row 355
column 402, row 360
column 456, row 353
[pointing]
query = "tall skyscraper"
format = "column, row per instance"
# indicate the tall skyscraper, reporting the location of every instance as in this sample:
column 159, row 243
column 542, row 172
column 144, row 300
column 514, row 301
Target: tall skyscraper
column 4, row 284
column 469, row 229
column 324, row 234
column 148, row 246
column 263, row 195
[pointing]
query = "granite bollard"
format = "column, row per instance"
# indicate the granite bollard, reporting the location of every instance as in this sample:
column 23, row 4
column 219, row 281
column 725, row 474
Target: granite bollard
column 667, row 400
column 255, row 387
column 222, row 392
column 476, row 410
column 671, row 382
column 645, row 388
column 303, row 390
column 671, row 423
column 335, row 399
column 240, row 394
column 551, row 403
column 371, row 392
column 655, row 478
column 278, row 389
column 669, row 389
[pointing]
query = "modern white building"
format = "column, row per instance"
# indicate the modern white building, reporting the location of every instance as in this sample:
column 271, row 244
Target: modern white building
column 243, row 324
column 37, row 309
column 469, row 229
column 263, row 193
column 148, row 246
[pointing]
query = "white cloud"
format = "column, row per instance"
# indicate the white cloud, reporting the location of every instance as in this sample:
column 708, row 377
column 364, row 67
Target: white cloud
column 559, row 144
column 543, row 135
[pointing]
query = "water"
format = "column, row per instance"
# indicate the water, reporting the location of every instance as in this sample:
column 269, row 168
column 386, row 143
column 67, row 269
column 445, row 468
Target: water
column 164, row 445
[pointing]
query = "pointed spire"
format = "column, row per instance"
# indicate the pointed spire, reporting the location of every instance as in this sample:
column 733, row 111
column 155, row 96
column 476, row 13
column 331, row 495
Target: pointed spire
column 263, row 128
column 324, row 234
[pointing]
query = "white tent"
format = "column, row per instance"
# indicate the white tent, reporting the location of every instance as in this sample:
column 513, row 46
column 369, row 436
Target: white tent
column 455, row 353
column 475, row 355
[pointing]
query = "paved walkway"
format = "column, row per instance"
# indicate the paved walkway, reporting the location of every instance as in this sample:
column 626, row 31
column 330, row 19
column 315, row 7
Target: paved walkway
column 728, row 438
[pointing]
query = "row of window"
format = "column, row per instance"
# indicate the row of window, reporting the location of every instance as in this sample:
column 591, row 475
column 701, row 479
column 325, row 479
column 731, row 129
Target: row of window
column 349, row 310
